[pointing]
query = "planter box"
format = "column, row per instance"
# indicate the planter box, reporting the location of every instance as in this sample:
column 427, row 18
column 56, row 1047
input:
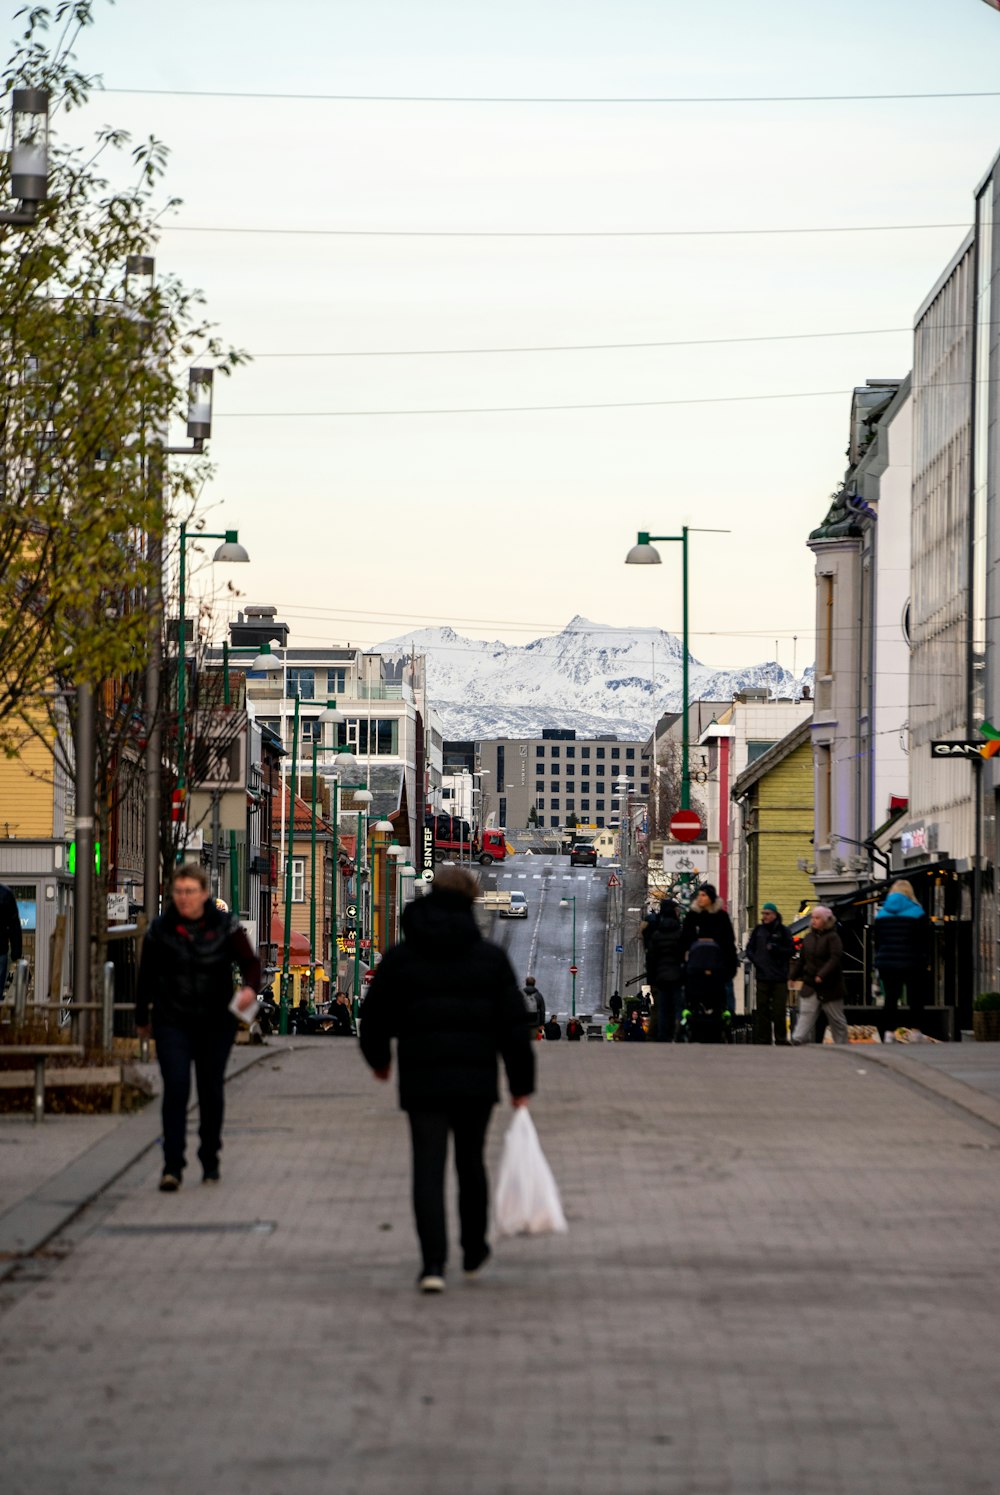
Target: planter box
column 986, row 1027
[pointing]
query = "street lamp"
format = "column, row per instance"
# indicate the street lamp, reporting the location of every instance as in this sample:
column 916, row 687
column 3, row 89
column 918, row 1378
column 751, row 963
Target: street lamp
column 230, row 550
column 565, row 902
column 644, row 553
column 29, row 155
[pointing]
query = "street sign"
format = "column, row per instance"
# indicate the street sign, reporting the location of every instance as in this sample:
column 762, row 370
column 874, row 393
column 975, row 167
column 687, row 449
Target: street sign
column 352, row 910
column 572, row 970
column 619, row 949
column 117, row 908
column 613, row 881
column 685, row 825
column 689, row 861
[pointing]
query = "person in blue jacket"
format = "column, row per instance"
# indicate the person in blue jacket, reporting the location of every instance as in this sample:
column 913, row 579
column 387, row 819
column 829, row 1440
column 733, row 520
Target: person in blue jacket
column 902, row 934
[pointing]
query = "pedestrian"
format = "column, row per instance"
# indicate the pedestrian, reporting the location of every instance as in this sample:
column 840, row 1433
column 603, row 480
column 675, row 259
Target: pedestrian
column 902, row 936
column 535, row 1003
column 769, row 950
column 553, row 1032
column 183, row 993
column 818, row 972
column 707, row 919
column 615, row 1006
column 634, row 1032
column 10, row 935
column 664, row 970
column 451, row 1001
column 340, row 1012
column 574, row 1030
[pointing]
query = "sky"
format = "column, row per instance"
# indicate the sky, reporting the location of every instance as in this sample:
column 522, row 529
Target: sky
column 362, row 524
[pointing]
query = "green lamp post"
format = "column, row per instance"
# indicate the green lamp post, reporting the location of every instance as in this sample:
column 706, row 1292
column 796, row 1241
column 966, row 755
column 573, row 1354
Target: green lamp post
column 565, row 902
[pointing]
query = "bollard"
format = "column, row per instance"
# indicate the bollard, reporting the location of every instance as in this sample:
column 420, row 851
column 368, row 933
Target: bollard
column 21, row 975
column 108, row 1008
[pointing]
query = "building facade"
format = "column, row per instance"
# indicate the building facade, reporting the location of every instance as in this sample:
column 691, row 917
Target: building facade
column 560, row 777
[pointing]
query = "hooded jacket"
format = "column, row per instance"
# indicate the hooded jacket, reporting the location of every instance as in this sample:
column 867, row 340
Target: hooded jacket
column 664, row 950
column 712, row 923
column 902, row 935
column 186, row 970
column 452, row 1002
column 769, row 950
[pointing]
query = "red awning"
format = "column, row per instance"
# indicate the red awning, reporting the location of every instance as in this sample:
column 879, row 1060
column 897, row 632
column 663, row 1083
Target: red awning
column 299, row 942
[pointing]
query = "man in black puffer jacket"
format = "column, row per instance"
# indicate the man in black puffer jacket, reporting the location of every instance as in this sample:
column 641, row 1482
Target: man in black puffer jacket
column 183, row 994
column 451, row 1001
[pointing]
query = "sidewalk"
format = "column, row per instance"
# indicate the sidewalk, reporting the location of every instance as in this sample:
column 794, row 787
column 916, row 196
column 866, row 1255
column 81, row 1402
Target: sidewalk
column 780, row 1277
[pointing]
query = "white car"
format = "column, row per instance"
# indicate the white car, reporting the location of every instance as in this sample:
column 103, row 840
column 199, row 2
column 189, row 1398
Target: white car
column 517, row 908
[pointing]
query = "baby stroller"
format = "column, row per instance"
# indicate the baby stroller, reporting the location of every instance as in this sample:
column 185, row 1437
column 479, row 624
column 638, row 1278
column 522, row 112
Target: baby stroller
column 705, row 1018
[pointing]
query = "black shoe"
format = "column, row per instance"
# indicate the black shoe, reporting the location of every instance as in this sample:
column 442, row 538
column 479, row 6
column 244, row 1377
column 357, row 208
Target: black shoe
column 169, row 1182
column 210, row 1175
column 474, row 1264
column 431, row 1280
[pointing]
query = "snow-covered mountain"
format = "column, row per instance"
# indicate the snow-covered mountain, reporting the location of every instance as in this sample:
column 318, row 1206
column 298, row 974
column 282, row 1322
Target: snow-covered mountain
column 589, row 676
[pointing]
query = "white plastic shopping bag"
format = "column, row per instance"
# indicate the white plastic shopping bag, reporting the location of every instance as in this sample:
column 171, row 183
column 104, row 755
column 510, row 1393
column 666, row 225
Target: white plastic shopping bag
column 526, row 1200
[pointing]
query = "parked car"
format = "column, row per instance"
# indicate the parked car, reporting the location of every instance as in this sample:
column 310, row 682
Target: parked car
column 583, row 855
column 517, row 908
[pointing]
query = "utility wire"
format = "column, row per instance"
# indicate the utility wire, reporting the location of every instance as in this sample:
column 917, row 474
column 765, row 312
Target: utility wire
column 541, row 233
column 417, row 98
column 811, row 394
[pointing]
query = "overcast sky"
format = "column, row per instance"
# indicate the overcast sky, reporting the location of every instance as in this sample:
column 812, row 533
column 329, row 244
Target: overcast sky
column 507, row 524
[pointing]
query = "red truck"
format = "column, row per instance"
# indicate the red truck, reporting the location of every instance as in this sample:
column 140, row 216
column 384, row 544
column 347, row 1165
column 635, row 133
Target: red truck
column 455, row 840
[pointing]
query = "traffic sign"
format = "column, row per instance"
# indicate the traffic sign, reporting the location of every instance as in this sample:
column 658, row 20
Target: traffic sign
column 687, row 861
column 572, row 970
column 619, row 949
column 685, row 825
column 613, row 881
column 352, row 910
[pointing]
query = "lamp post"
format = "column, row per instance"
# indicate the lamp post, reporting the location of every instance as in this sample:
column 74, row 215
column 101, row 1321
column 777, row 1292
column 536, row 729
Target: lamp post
column 564, row 902
column 362, row 798
column 286, row 955
column 381, row 827
column 404, row 873
column 29, row 155
column 644, row 553
column 393, row 855
column 230, row 550
column 332, row 717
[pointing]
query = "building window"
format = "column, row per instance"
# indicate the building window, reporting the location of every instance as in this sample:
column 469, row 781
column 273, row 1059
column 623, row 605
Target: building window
column 554, row 805
column 585, row 752
column 600, row 754
column 585, row 787
column 500, row 769
column 539, row 752
column 615, row 753
column 298, row 878
column 301, row 683
column 554, row 787
column 570, row 805
column 630, row 752
column 600, row 806
column 540, row 805
column 571, row 752
column 385, row 738
column 539, row 786
column 757, row 750
column 310, row 729
column 555, row 752
column 554, row 821
column 570, row 786
column 600, row 822
column 336, row 682
column 585, row 805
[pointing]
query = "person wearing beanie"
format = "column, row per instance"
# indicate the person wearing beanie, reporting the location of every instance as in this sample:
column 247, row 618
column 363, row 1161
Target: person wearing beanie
column 818, row 970
column 769, row 950
column 452, row 1003
column 707, row 919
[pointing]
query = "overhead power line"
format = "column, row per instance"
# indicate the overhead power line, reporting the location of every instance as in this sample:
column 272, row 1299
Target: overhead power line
column 811, row 394
column 532, row 233
column 420, row 98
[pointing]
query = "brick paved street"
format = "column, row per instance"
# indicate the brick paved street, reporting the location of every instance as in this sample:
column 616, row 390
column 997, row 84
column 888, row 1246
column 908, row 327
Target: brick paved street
column 780, row 1277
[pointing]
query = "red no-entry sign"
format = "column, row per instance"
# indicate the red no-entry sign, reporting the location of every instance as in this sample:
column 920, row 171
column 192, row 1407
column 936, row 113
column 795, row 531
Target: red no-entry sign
column 572, row 970
column 685, row 825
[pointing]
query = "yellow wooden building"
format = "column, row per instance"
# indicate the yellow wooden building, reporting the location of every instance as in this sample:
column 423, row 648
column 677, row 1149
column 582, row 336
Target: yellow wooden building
column 774, row 803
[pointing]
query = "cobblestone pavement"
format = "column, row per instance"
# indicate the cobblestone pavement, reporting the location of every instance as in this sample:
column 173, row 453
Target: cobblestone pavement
column 28, row 1152
column 780, row 1277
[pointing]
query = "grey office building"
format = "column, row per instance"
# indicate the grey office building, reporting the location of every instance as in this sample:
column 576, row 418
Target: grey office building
column 559, row 774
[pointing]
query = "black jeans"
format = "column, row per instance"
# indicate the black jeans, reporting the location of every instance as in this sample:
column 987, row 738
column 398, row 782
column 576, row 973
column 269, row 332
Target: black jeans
column 772, row 1008
column 429, row 1131
column 669, row 1001
column 176, row 1050
column 914, row 980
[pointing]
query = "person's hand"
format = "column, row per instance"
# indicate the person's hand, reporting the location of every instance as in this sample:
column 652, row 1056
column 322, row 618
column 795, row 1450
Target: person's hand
column 245, row 998
column 517, row 1101
column 819, row 980
column 382, row 1074
column 143, row 1030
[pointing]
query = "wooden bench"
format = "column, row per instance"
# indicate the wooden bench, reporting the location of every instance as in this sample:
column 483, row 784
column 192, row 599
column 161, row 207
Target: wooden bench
column 40, row 1053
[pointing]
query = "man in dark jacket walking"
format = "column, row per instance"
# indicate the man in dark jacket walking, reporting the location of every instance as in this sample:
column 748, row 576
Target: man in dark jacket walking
column 10, row 935
column 451, row 1001
column 663, row 937
column 707, row 919
column 769, row 950
column 183, row 994
column 818, row 971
